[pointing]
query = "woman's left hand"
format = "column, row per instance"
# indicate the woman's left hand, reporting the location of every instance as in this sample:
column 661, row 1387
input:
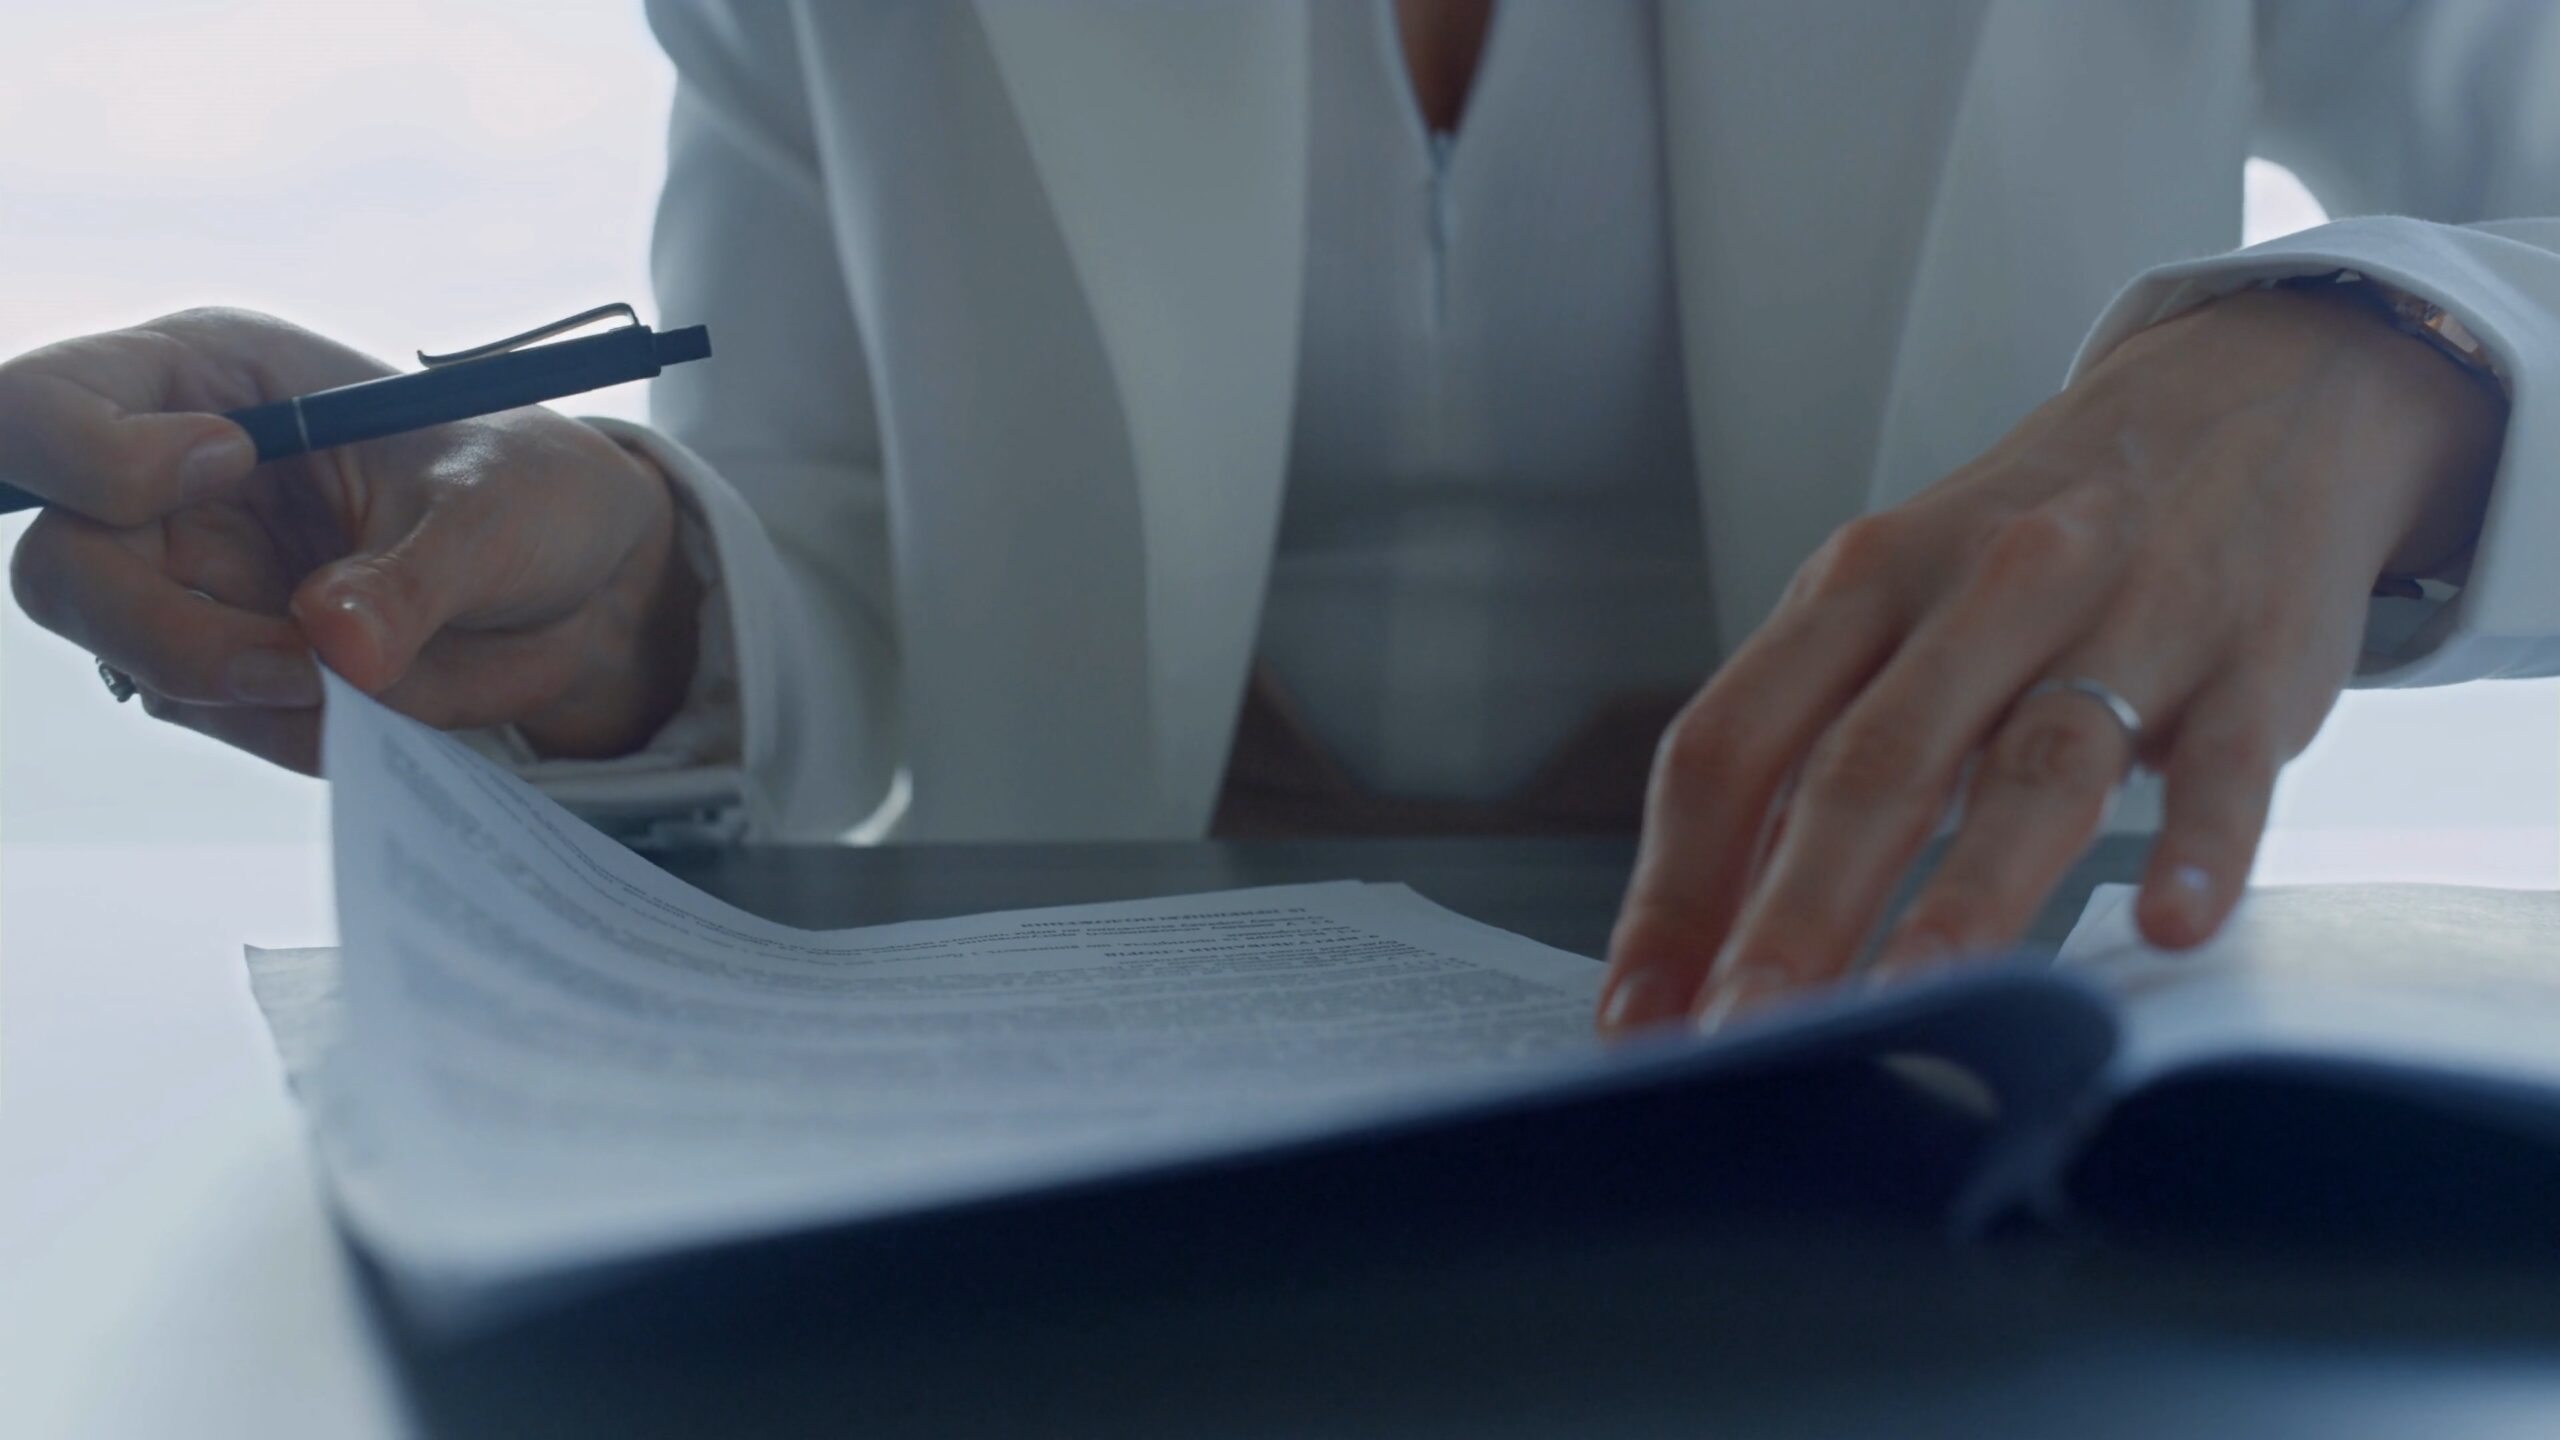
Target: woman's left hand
column 2196, row 525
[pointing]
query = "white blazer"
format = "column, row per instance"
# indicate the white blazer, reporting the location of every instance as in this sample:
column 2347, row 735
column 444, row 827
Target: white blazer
column 1005, row 298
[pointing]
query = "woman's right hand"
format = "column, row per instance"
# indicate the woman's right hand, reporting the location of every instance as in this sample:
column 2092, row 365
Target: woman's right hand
column 517, row 569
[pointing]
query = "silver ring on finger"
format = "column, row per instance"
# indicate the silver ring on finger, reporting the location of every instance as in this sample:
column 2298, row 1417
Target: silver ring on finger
column 119, row 684
column 2119, row 708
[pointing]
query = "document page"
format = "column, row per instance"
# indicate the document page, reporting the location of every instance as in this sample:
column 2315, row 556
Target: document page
column 553, row 1054
column 2452, row 977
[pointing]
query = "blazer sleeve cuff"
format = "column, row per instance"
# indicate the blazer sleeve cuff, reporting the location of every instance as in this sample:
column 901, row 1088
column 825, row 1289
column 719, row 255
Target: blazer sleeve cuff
column 2504, row 618
column 815, row 709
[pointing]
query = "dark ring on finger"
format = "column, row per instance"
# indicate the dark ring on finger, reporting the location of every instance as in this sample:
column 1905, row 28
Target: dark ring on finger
column 119, row 684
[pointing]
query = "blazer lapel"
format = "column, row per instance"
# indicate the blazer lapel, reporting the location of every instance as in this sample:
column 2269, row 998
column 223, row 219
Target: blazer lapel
column 1171, row 141
column 1073, row 239
column 1804, row 141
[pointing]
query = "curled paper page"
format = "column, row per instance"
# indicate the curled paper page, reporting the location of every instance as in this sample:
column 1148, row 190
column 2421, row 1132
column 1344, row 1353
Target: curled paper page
column 551, row 1054
column 2453, row 978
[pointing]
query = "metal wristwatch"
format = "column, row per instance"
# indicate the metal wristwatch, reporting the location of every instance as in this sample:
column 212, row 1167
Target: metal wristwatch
column 2413, row 315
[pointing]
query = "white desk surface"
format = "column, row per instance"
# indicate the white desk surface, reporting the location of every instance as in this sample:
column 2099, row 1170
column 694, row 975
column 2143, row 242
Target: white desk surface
column 166, row 1265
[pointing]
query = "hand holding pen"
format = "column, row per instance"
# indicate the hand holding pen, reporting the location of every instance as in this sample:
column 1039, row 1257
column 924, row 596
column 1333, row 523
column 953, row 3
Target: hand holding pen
column 516, row 567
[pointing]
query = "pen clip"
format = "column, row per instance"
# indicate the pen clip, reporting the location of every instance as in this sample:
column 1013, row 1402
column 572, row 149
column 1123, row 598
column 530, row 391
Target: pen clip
column 540, row 332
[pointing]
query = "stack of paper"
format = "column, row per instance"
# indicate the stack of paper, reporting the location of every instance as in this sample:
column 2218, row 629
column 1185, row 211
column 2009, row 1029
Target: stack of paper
column 551, row 1054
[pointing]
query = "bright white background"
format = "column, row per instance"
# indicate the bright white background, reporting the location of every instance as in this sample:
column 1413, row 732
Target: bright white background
column 406, row 175
column 402, row 174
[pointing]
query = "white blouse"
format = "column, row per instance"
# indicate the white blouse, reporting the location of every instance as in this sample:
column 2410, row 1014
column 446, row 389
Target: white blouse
column 1490, row 525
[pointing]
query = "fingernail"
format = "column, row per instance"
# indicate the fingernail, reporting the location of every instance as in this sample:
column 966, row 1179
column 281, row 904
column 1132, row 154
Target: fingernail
column 274, row 678
column 1633, row 1001
column 369, row 619
column 210, row 467
column 374, row 659
column 2190, row 892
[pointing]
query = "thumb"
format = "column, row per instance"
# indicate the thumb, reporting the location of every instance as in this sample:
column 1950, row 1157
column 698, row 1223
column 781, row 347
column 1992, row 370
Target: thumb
column 84, row 451
column 191, row 457
column 368, row 616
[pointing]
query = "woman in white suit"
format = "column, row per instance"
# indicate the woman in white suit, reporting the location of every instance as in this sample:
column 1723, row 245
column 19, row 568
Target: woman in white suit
column 1136, row 418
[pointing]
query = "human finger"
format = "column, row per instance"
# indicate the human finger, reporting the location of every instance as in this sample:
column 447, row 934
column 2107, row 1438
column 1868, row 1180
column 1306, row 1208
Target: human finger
column 2047, row 776
column 369, row 615
column 1721, row 764
column 95, row 425
column 2039, row 794
column 1880, row 777
column 81, row 581
column 288, row 738
column 466, row 679
column 229, row 553
column 2219, row 780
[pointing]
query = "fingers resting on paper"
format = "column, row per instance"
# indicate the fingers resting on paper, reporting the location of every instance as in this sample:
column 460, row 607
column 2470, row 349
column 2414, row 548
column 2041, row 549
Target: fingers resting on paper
column 2166, row 566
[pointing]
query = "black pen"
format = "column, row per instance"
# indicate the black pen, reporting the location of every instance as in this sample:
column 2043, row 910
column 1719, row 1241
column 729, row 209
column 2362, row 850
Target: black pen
column 481, row 381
